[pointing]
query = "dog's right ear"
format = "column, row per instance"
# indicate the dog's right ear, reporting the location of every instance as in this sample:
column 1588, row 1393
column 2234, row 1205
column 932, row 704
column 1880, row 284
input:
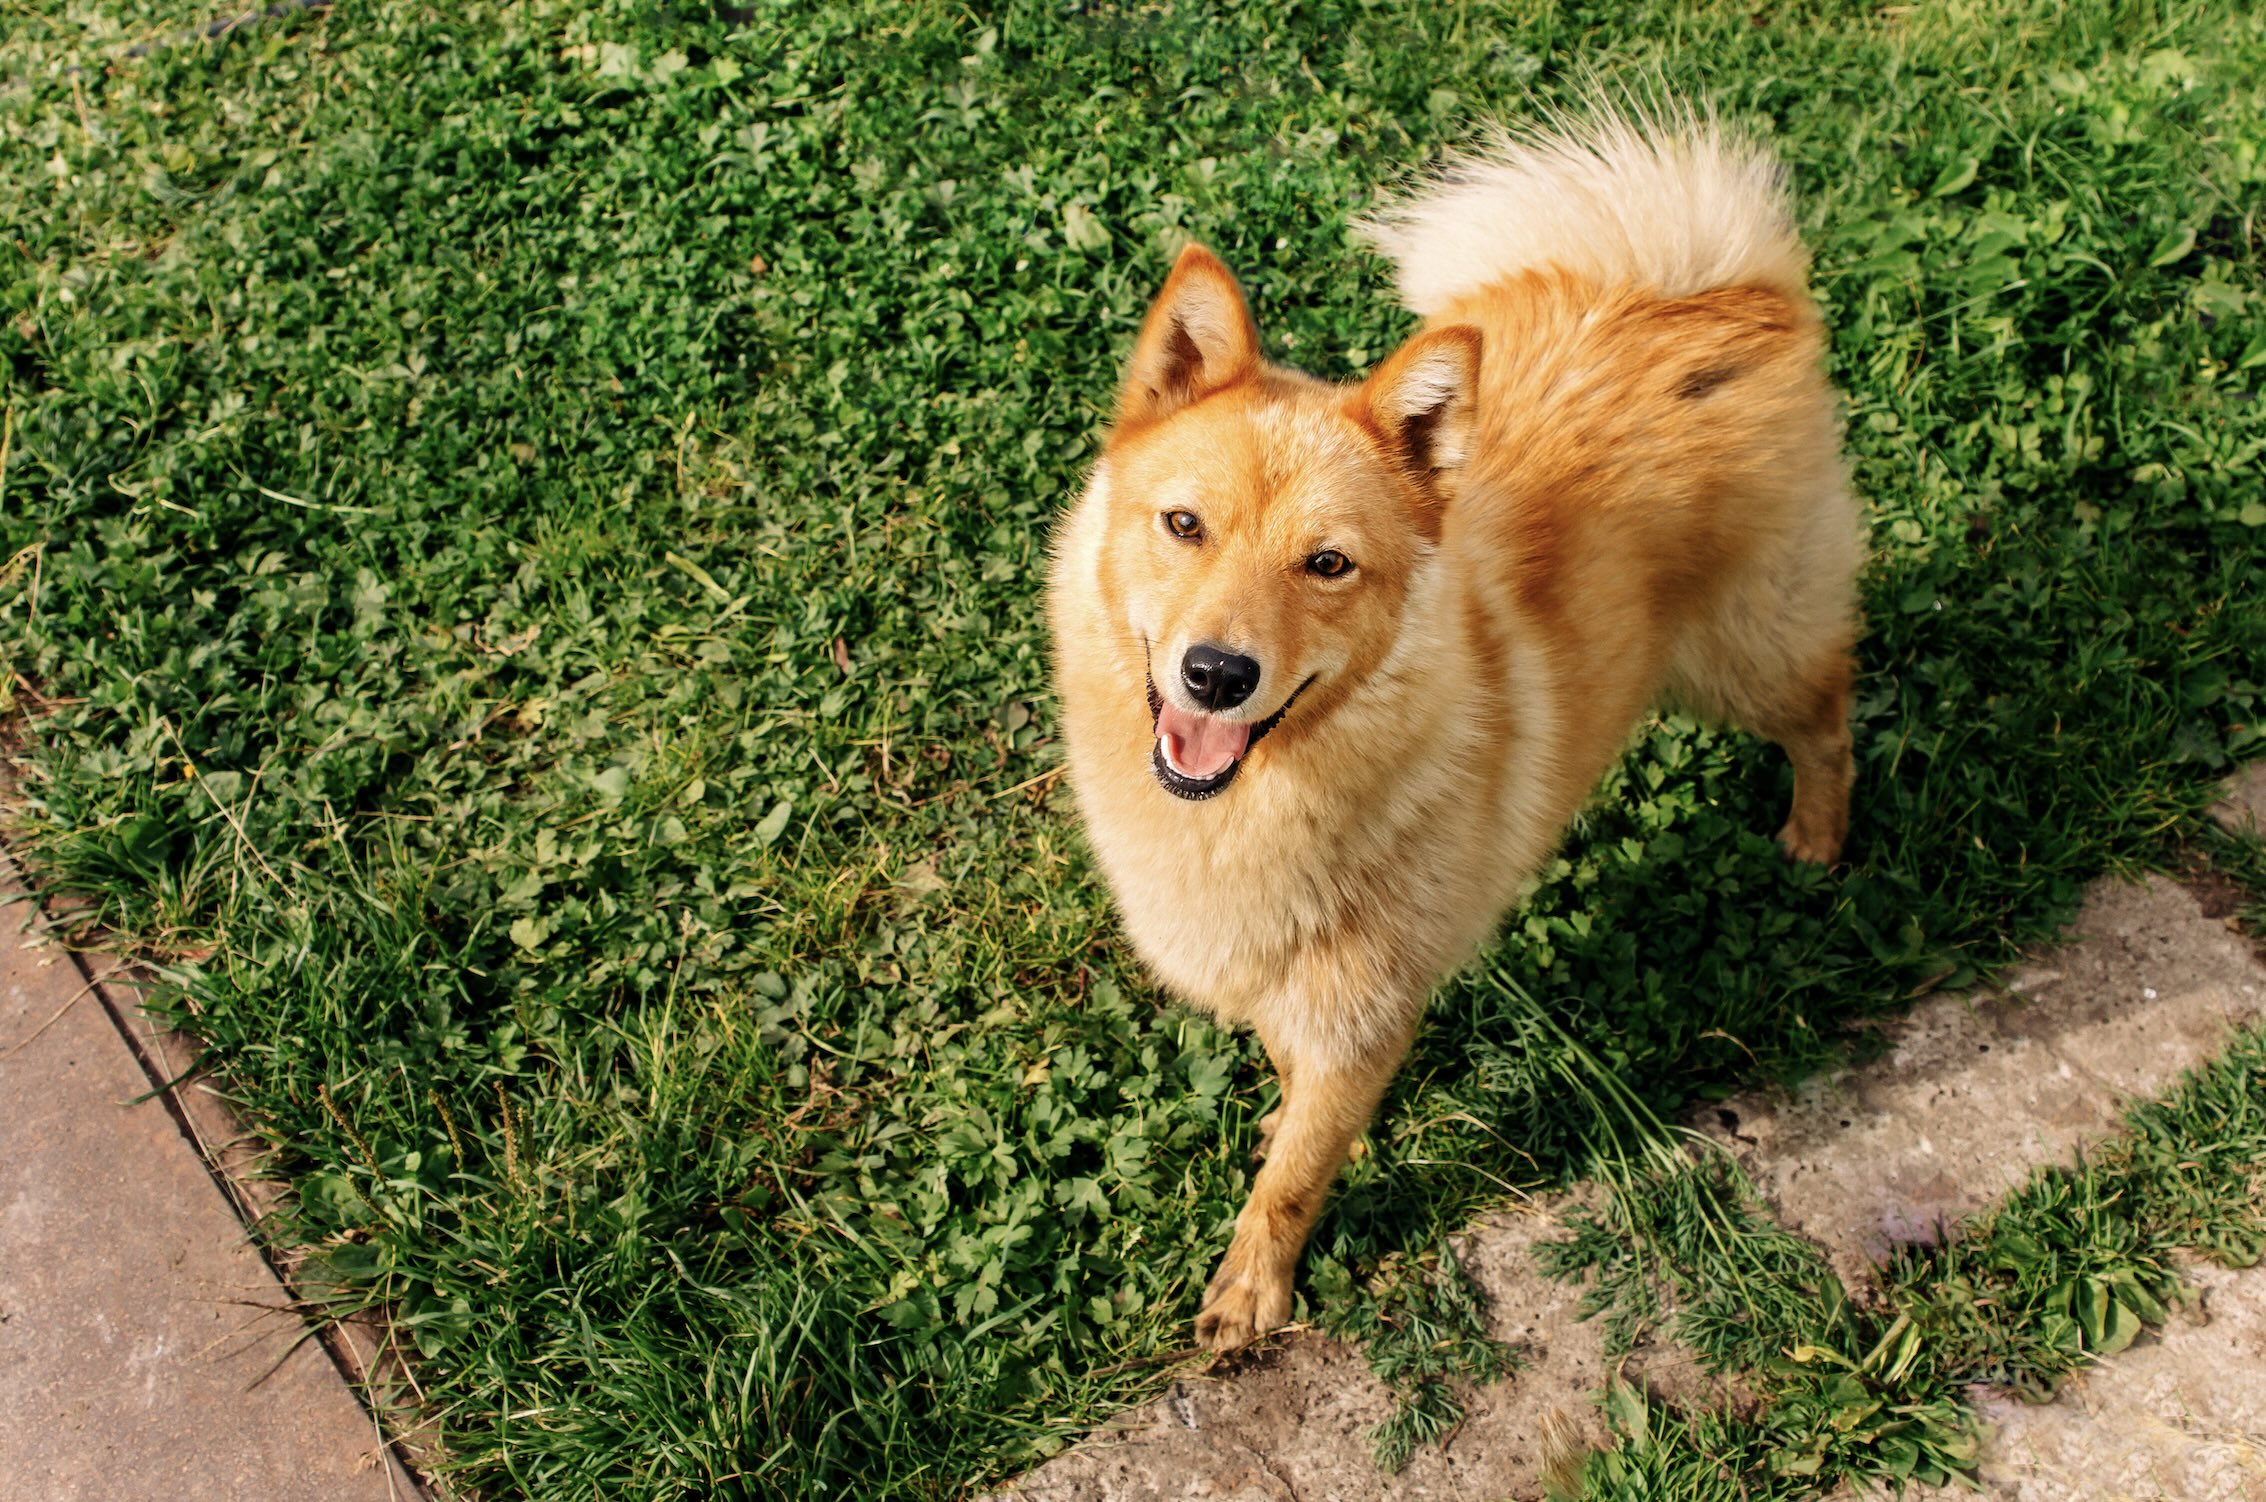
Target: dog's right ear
column 1198, row 339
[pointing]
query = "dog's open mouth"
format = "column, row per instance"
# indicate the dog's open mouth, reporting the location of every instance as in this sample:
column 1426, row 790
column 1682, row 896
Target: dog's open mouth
column 1196, row 756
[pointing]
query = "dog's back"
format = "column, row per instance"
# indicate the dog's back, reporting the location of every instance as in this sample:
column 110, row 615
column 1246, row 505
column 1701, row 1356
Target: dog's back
column 1657, row 466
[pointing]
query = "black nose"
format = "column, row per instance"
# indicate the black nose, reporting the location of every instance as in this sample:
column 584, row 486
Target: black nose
column 1217, row 679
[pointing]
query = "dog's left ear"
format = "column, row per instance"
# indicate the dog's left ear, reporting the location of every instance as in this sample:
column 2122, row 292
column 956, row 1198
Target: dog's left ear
column 1198, row 339
column 1419, row 406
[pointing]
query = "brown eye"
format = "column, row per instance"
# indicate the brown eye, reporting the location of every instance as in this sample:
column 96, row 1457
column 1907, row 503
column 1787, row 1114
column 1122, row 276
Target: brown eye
column 1183, row 524
column 1329, row 563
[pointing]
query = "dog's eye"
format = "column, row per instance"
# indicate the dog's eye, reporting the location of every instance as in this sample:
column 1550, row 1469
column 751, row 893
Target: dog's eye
column 1183, row 524
column 1329, row 563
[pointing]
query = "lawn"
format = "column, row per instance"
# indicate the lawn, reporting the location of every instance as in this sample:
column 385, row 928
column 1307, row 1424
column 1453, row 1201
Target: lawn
column 520, row 531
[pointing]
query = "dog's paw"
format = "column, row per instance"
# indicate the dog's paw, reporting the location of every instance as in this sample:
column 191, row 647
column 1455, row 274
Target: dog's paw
column 1241, row 1306
column 1804, row 844
column 1267, row 1125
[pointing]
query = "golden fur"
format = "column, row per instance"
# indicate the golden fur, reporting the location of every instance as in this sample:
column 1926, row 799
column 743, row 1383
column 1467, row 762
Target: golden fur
column 1605, row 475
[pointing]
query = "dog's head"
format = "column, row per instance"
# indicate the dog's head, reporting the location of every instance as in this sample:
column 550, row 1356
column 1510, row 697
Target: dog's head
column 1265, row 528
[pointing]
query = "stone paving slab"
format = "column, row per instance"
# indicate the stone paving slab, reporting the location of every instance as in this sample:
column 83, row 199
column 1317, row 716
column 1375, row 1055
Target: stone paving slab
column 363, row 1344
column 1975, row 1091
column 2242, row 808
column 145, row 1350
column 1979, row 1089
column 2179, row 1417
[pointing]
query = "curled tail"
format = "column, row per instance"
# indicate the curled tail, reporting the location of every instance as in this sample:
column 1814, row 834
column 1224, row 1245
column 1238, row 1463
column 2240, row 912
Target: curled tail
column 1661, row 197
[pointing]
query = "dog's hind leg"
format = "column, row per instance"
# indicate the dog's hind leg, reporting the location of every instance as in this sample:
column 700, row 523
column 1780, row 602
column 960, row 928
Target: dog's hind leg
column 1772, row 655
column 1812, row 724
column 1804, row 707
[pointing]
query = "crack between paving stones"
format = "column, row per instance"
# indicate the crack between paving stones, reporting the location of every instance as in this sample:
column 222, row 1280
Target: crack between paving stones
column 1264, row 1464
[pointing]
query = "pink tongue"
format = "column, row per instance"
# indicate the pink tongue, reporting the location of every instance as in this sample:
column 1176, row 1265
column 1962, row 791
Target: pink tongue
column 1198, row 745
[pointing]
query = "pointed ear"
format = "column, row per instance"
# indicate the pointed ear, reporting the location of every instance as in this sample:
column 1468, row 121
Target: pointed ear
column 1419, row 404
column 1198, row 339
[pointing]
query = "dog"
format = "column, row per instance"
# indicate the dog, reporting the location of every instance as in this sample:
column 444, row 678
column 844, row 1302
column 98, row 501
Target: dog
column 1337, row 664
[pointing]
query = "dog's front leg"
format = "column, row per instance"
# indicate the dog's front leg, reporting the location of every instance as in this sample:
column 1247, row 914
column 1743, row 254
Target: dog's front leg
column 1312, row 1130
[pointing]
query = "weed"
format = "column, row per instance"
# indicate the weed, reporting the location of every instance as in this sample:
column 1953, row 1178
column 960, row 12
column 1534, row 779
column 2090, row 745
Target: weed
column 1422, row 1323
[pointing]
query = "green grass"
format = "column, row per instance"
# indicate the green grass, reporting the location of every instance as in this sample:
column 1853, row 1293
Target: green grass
column 518, row 570
column 2069, row 1268
column 1422, row 1322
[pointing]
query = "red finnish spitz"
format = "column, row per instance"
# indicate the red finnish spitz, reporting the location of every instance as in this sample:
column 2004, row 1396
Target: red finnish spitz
column 1339, row 663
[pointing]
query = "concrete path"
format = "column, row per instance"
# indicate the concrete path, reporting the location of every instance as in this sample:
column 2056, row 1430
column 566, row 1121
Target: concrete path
column 146, row 1352
column 1975, row 1091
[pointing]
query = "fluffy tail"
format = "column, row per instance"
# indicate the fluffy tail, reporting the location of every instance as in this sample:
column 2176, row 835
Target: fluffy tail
column 1661, row 197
